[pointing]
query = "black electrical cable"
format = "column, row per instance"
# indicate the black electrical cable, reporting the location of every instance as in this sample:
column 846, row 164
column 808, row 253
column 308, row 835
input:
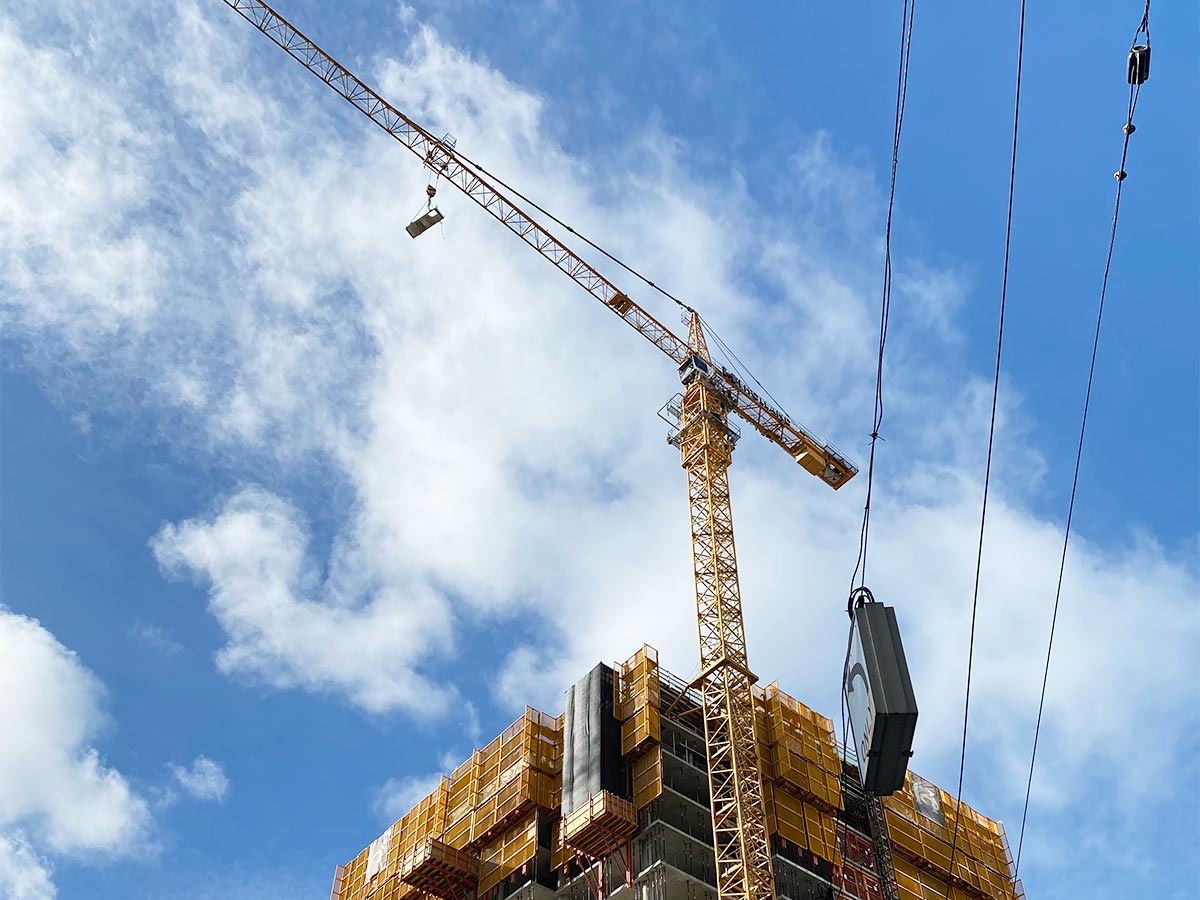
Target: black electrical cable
column 987, row 476
column 1128, row 129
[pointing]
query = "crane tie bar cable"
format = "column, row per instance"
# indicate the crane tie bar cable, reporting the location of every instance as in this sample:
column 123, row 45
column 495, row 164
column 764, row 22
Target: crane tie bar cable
column 1137, row 77
column 549, row 215
column 730, row 356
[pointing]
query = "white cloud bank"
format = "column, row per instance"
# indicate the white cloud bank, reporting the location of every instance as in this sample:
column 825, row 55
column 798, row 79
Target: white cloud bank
column 494, row 430
column 56, row 794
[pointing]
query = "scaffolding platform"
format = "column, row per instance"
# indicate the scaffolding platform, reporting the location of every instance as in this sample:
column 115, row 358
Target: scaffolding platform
column 599, row 827
column 436, row 868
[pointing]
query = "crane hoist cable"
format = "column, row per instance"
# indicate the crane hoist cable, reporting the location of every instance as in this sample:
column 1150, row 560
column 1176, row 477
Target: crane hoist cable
column 909, row 10
column 880, row 840
column 1137, row 73
column 987, row 476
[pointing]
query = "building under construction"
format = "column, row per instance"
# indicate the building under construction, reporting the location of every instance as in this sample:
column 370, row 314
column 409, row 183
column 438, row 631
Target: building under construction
column 612, row 796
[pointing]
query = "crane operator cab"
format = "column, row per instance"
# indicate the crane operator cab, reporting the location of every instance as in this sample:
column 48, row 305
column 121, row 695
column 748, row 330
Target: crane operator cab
column 693, row 367
column 428, row 219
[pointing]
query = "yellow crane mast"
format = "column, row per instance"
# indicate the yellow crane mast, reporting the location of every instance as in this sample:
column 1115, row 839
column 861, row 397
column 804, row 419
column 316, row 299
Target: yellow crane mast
column 706, row 440
column 705, row 437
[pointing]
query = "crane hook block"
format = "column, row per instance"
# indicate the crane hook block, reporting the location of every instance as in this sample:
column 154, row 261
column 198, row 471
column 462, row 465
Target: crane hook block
column 430, row 191
column 1139, row 64
column 423, row 223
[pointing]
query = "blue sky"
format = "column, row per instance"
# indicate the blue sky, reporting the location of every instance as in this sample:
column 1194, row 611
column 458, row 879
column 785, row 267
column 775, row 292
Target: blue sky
column 296, row 511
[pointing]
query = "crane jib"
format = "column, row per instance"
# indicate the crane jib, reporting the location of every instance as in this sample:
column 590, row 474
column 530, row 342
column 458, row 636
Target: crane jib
column 819, row 458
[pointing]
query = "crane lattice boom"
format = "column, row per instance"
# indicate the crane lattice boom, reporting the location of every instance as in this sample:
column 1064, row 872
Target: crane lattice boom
column 819, row 458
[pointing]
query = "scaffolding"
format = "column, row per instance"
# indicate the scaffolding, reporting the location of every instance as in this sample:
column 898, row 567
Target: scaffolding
column 439, row 870
column 493, row 829
column 921, row 833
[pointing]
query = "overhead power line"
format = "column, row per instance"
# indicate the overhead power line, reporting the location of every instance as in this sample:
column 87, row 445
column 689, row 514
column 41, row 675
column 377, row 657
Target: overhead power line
column 987, row 476
column 1135, row 84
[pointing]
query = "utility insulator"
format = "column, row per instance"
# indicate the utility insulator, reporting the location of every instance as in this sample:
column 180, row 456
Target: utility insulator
column 1139, row 64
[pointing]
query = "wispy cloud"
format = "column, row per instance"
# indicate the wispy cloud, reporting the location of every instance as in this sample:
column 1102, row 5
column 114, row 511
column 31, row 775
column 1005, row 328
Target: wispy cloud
column 496, row 432
column 23, row 874
column 156, row 638
column 205, row 779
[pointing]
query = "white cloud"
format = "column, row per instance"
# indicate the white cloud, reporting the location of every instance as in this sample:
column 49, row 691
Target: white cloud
column 396, row 796
column 156, row 638
column 56, row 793
column 494, row 431
column 204, row 780
column 23, row 875
column 286, row 628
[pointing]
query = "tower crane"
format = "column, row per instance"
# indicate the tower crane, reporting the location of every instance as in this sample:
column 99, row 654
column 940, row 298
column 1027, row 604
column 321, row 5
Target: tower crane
column 705, row 438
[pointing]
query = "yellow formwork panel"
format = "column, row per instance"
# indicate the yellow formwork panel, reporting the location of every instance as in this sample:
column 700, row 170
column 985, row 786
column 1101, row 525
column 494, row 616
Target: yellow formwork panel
column 637, row 684
column 802, row 823
column 647, row 778
column 507, row 853
column 517, row 771
column 641, row 730
column 982, row 861
column 557, row 851
column 981, row 856
column 797, row 745
column 531, row 788
column 920, row 884
column 458, row 835
column 805, row 774
column 426, row 819
column 354, row 877
column 532, row 742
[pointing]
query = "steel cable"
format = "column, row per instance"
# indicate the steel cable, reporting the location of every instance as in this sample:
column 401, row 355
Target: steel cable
column 885, row 306
column 987, row 476
column 907, row 14
column 1134, row 90
column 730, row 357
